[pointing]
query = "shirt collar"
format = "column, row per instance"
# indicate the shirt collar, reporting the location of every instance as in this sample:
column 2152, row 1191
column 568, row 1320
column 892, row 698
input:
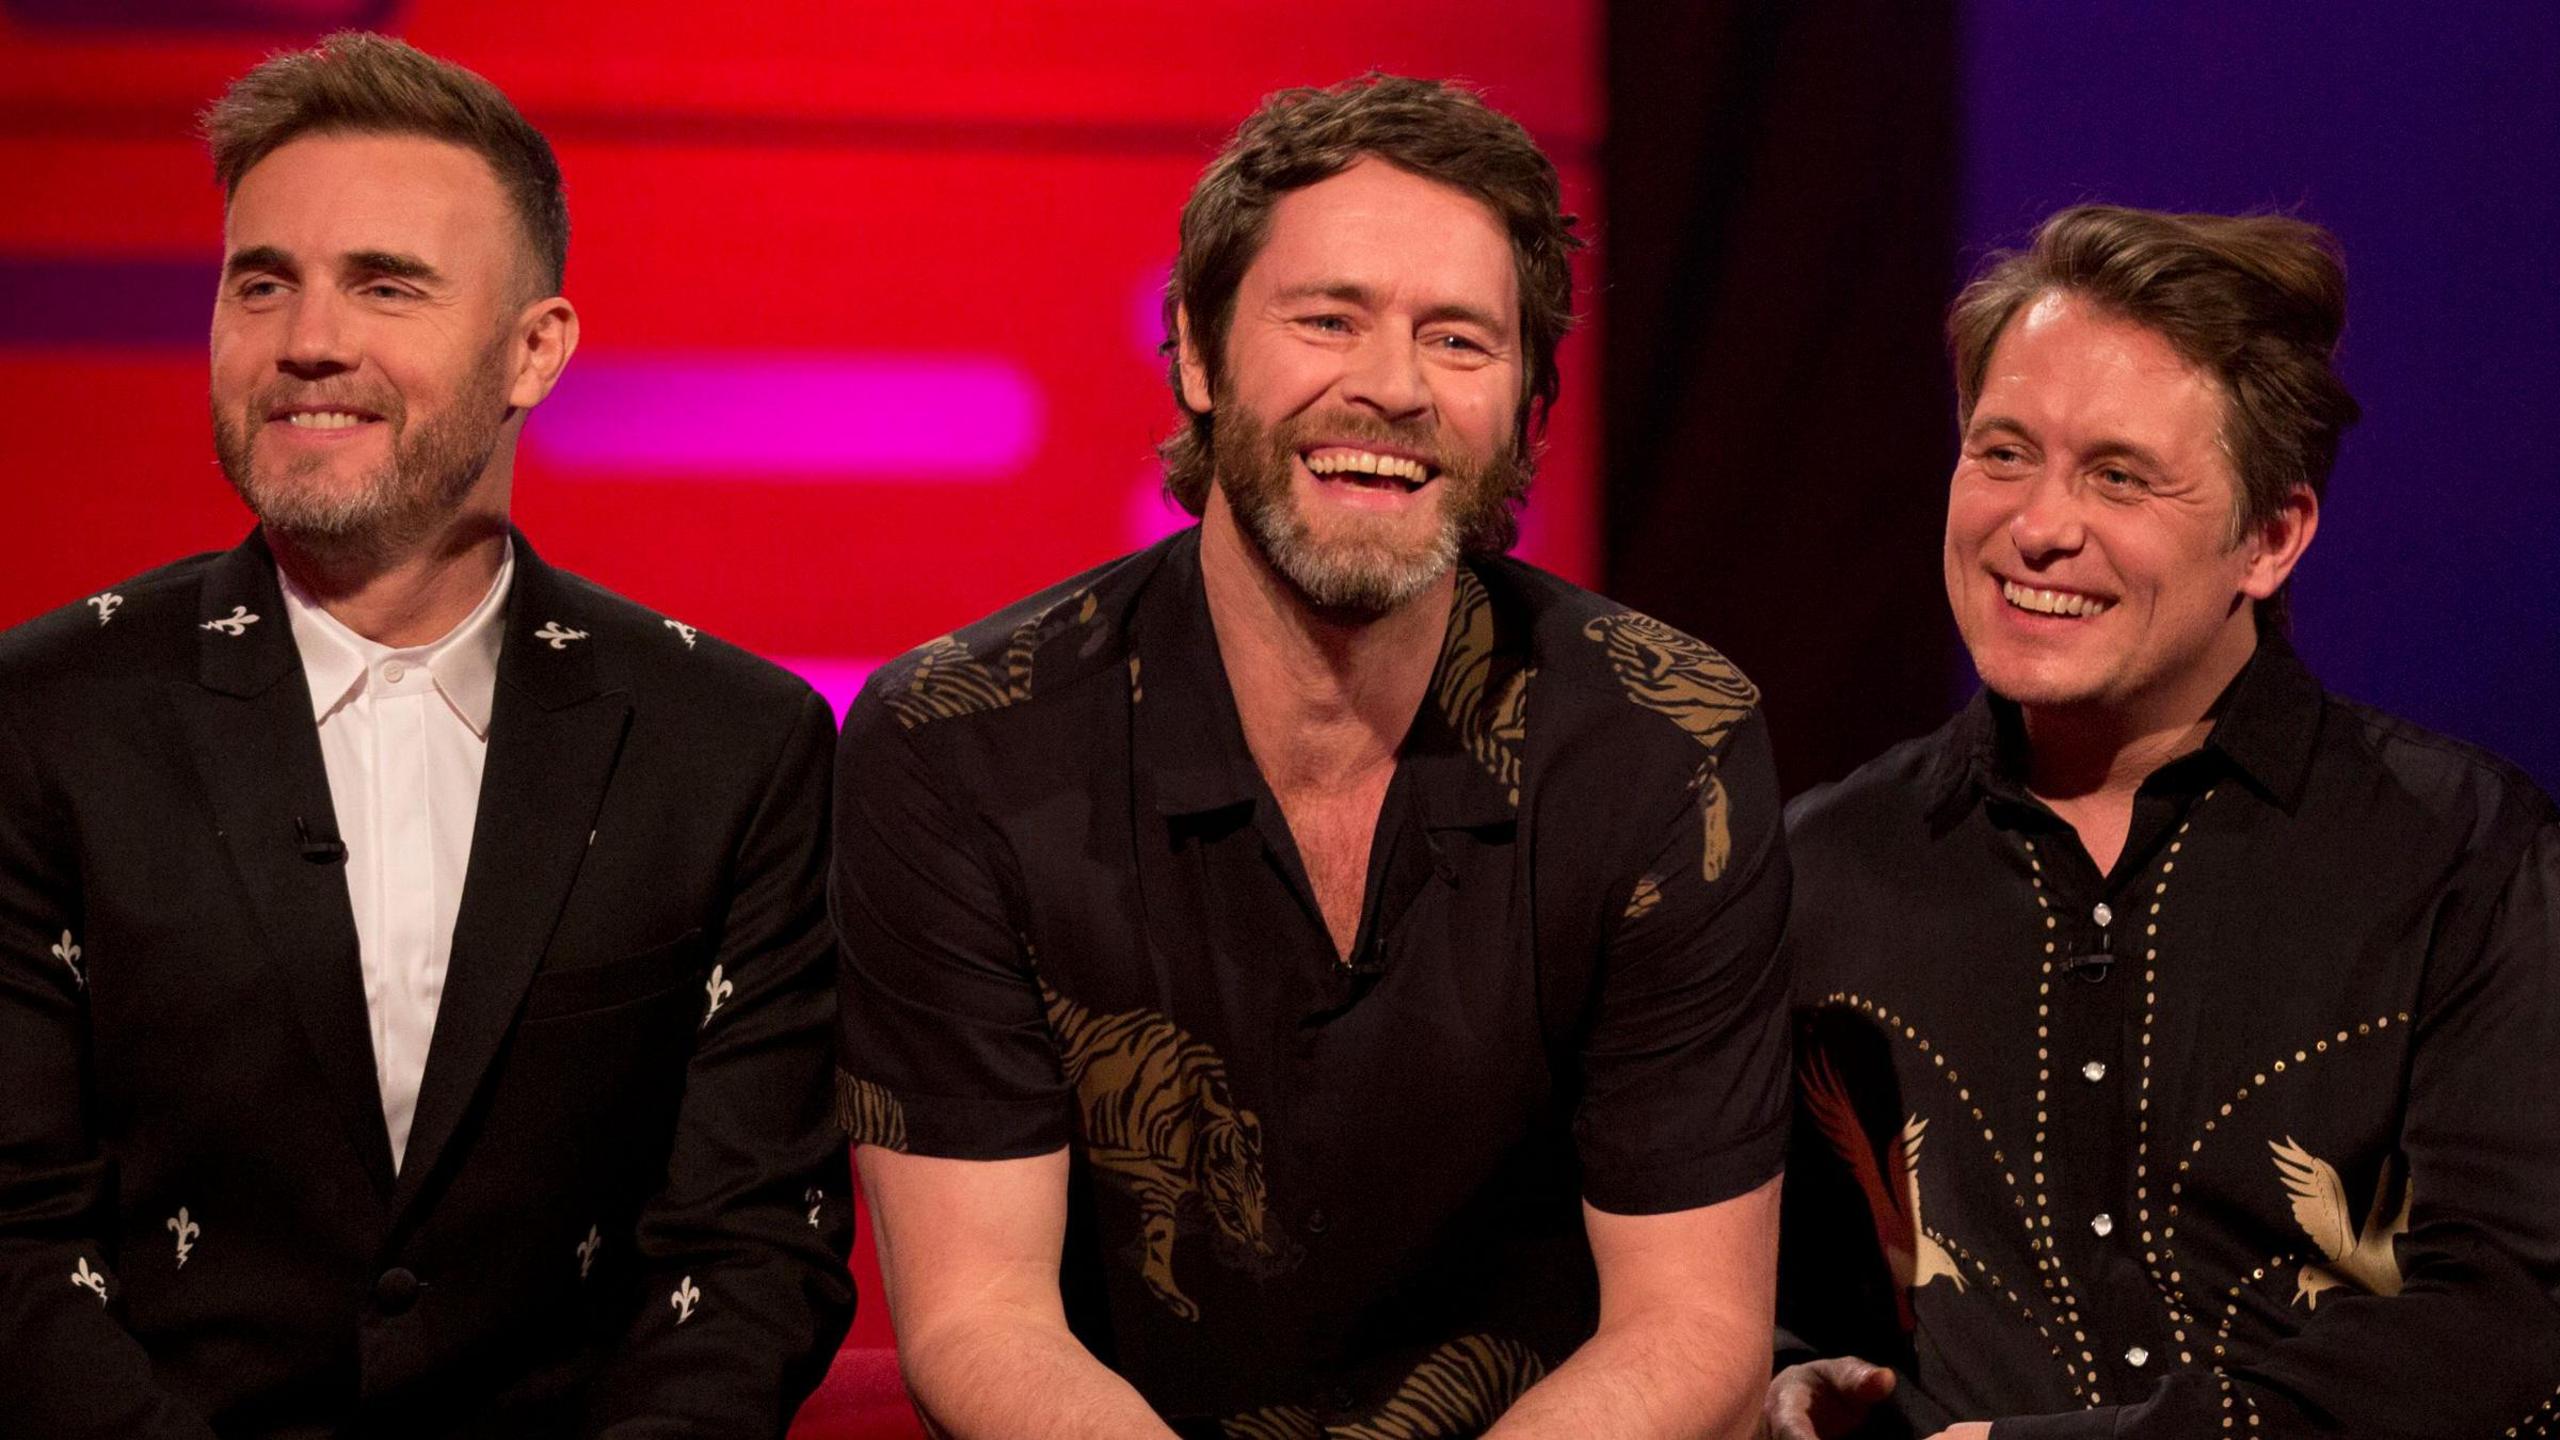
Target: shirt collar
column 2267, row 723
column 1191, row 742
column 464, row 663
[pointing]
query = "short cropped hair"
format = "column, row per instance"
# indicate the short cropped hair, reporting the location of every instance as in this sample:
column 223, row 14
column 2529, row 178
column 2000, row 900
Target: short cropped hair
column 1434, row 129
column 2255, row 301
column 355, row 82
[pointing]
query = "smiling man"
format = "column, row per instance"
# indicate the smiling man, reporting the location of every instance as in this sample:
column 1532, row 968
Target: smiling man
column 415, row 984
column 1315, row 976
column 2177, row 1039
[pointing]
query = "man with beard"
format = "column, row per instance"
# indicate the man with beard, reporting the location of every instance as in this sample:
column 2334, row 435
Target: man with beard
column 1316, row 975
column 415, row 989
column 2179, row 1039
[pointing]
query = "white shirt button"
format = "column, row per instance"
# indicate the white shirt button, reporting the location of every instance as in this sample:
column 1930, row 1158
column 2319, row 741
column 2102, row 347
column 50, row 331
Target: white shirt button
column 2105, row 1225
column 2137, row 1357
column 393, row 672
column 2094, row 1071
column 2103, row 915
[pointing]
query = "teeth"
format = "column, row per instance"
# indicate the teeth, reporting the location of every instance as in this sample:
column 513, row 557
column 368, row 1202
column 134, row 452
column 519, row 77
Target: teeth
column 1362, row 462
column 323, row 419
column 2051, row 602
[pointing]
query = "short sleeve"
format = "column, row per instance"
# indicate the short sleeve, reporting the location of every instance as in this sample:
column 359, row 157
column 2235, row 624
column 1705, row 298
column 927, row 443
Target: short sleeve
column 945, row 1047
column 1685, row 1064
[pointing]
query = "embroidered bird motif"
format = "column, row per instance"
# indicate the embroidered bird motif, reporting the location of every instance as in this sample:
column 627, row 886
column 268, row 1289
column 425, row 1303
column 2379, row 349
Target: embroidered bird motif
column 1892, row 1189
column 559, row 635
column 686, row 631
column 719, row 989
column 235, row 624
column 587, row 1251
column 90, row 1280
column 686, row 1296
column 67, row 950
column 2360, row 1257
column 108, row 603
column 187, row 1232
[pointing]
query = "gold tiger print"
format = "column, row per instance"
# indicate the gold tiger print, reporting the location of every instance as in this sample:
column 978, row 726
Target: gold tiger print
column 1156, row 1117
column 1493, row 726
column 1648, row 893
column 1666, row 671
column 1458, row 1390
column 945, row 680
column 869, row 1114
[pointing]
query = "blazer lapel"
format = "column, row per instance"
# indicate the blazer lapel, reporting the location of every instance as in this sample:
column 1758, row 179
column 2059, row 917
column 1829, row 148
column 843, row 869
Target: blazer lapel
column 247, row 719
column 555, row 731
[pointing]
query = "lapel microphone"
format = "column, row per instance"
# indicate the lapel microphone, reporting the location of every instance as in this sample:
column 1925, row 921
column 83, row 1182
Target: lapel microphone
column 319, row 849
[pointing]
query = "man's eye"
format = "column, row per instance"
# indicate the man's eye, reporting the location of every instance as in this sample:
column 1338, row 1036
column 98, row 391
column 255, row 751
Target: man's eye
column 384, row 290
column 2115, row 477
column 1457, row 344
column 259, row 289
column 1329, row 324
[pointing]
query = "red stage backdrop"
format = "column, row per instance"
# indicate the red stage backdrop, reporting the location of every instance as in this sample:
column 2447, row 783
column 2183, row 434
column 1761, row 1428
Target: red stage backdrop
column 870, row 292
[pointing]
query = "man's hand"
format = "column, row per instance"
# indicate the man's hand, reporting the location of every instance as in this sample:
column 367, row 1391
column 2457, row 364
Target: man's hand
column 1822, row 1399
column 1969, row 1430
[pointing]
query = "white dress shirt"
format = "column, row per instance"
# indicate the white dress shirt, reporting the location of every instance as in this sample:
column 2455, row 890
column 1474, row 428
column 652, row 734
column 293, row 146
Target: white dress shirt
column 404, row 734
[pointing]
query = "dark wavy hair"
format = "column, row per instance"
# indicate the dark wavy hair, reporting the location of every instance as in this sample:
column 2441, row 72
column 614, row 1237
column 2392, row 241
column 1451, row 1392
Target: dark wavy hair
column 1434, row 129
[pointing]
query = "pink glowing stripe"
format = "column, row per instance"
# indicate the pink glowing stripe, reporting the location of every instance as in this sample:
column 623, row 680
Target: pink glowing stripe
column 819, row 418
column 836, row 677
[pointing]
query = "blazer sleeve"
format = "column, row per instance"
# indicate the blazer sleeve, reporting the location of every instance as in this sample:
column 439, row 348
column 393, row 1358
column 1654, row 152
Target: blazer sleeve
column 744, row 1293
column 73, row 1369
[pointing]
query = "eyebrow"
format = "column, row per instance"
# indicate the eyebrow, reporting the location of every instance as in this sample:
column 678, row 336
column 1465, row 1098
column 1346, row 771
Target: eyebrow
column 388, row 263
column 1353, row 293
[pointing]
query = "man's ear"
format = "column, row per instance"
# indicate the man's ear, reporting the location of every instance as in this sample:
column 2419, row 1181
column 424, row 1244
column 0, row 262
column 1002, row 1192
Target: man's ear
column 1195, row 374
column 545, row 336
column 2276, row 545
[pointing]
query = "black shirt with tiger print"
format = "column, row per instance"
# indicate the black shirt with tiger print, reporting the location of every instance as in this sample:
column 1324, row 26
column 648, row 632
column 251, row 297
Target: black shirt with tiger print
column 1306, row 1192
column 2253, row 1135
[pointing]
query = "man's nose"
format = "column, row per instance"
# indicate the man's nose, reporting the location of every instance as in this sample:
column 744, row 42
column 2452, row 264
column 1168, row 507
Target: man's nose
column 1386, row 376
column 319, row 338
column 2047, row 520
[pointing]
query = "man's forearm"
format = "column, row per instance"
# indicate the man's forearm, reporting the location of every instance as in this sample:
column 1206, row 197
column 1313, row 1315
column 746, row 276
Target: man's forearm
column 1665, row 1373
column 993, row 1375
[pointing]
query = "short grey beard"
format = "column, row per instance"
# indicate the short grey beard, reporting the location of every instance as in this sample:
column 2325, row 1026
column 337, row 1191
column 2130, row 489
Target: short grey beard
column 1353, row 577
column 430, row 475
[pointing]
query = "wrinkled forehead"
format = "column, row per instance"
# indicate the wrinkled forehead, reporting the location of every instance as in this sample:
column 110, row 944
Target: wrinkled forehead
column 323, row 196
column 2074, row 370
column 1392, row 235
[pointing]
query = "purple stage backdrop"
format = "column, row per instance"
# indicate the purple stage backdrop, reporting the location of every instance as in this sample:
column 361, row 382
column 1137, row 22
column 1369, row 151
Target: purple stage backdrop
column 2428, row 138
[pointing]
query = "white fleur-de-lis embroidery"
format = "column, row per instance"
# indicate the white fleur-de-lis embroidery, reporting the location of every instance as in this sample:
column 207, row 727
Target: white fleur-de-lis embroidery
column 235, row 624
column 587, row 1251
column 187, row 1232
column 558, row 634
column 817, row 1200
column 686, row 1296
column 719, row 989
column 687, row 631
column 67, row 950
column 90, row 1280
column 108, row 602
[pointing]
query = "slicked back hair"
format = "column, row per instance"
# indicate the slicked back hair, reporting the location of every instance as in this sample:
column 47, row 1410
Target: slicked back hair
column 1437, row 130
column 2255, row 301
column 358, row 83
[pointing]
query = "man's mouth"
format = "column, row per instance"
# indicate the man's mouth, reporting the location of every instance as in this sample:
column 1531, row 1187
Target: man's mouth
column 301, row 418
column 2066, row 603
column 1369, row 469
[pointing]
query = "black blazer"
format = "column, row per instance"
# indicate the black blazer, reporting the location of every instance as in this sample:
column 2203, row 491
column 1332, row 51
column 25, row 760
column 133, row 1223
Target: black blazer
column 624, row 1205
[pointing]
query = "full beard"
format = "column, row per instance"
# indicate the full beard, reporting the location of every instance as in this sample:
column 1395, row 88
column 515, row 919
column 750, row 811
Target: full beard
column 1362, row 569
column 395, row 507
